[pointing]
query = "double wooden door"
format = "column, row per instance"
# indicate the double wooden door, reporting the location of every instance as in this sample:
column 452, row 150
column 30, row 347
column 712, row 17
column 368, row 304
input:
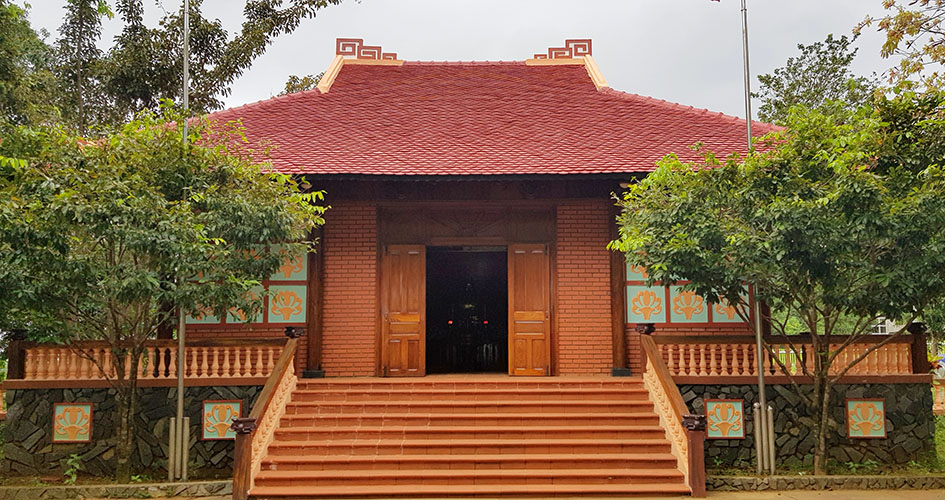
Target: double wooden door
column 403, row 303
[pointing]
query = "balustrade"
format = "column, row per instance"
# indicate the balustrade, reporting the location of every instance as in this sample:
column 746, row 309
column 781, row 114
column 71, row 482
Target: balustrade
column 202, row 360
column 734, row 355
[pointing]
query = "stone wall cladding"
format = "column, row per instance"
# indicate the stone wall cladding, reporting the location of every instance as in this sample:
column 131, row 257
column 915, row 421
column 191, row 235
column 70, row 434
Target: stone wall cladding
column 743, row 483
column 194, row 489
column 350, row 291
column 585, row 337
column 909, row 423
column 28, row 447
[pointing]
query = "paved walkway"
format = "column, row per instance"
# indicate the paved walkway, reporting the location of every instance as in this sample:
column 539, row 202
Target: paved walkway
column 782, row 495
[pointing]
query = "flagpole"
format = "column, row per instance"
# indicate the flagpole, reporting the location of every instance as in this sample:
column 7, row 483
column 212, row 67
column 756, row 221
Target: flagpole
column 764, row 432
column 180, row 433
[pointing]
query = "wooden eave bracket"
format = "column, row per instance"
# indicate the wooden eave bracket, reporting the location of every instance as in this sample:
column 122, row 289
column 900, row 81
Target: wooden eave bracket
column 324, row 85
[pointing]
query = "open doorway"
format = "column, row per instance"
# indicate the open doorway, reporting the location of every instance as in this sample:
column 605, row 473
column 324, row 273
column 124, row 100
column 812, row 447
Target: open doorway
column 467, row 309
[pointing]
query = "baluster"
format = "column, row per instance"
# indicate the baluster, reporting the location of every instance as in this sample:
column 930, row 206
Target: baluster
column 226, row 362
column 237, row 362
column 84, row 366
column 667, row 349
column 214, row 365
column 883, row 360
column 247, row 361
column 170, row 357
column 907, row 358
column 204, row 364
column 38, row 358
column 269, row 362
column 192, row 365
column 256, row 366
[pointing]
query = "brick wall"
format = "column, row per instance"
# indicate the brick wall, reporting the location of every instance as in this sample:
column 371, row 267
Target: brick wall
column 583, row 307
column 350, row 291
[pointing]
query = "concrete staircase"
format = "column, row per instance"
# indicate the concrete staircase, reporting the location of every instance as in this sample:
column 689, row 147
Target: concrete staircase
column 469, row 436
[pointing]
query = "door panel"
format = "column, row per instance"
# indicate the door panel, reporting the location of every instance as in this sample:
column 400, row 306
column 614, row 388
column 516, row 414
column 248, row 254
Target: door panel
column 403, row 298
column 529, row 309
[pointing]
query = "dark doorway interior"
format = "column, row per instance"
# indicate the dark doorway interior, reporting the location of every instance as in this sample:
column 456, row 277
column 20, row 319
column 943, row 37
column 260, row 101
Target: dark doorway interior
column 467, row 316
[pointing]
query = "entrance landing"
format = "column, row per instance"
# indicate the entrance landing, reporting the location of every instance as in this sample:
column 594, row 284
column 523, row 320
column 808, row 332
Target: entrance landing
column 469, row 435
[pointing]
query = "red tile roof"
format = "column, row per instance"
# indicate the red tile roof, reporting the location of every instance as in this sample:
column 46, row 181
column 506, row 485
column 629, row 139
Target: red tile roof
column 478, row 118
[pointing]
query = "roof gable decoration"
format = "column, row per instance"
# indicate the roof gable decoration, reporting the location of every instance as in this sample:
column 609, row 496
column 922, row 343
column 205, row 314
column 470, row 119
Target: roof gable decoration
column 573, row 49
column 355, row 47
column 354, row 51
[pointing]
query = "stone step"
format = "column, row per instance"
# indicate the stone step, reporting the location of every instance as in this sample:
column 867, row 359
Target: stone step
column 468, row 490
column 467, row 446
column 464, row 383
column 318, row 434
column 550, row 394
column 471, row 461
column 465, row 419
column 488, row 406
column 468, row 476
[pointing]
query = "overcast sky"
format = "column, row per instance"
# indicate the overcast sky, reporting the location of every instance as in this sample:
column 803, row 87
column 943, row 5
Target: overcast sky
column 686, row 51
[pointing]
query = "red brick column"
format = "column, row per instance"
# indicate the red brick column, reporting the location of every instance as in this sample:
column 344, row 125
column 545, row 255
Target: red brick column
column 350, row 301
column 582, row 270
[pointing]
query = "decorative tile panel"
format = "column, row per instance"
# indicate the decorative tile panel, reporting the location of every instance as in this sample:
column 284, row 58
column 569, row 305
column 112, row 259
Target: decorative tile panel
column 72, row 423
column 235, row 315
column 725, row 418
column 646, row 304
column 287, row 303
column 723, row 312
column 687, row 307
column 292, row 269
column 217, row 417
column 202, row 316
column 866, row 418
column 636, row 273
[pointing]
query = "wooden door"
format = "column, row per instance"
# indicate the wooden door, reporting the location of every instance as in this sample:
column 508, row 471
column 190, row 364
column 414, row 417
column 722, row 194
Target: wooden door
column 529, row 310
column 403, row 299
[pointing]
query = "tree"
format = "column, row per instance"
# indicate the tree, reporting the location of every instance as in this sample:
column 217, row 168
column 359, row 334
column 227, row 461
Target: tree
column 914, row 31
column 95, row 237
column 78, row 63
column 839, row 215
column 820, row 74
column 301, row 84
column 145, row 64
column 26, row 80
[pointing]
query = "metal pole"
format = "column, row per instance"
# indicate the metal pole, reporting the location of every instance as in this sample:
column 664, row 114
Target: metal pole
column 747, row 73
column 186, row 50
column 759, row 448
column 180, row 426
column 771, row 449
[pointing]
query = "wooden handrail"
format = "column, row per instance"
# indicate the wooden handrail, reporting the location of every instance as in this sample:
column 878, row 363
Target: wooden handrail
column 253, row 433
column 685, row 441
column 664, row 376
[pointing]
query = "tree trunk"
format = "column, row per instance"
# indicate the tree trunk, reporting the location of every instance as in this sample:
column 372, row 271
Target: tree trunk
column 127, row 395
column 821, row 423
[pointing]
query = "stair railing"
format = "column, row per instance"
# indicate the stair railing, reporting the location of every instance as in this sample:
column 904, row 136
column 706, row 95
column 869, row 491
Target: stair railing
column 684, row 431
column 255, row 432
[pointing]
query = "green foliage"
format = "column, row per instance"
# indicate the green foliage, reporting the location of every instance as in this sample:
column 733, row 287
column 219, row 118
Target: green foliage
column 26, row 80
column 105, row 240
column 94, row 88
column 73, row 466
column 913, row 30
column 866, row 466
column 300, row 84
column 840, row 216
column 819, row 75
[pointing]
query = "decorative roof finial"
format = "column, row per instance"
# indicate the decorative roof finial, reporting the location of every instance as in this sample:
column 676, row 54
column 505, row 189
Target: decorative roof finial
column 572, row 49
column 355, row 47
